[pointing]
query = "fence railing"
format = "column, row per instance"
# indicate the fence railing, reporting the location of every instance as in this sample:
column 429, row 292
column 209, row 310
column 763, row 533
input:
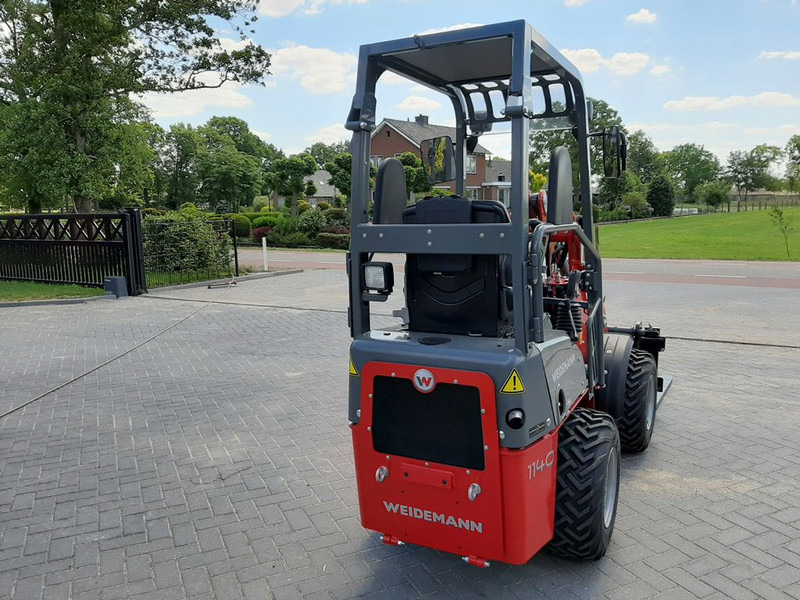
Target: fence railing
column 177, row 252
column 77, row 248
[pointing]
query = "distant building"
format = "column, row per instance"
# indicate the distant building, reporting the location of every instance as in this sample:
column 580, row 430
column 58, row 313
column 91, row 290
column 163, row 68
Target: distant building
column 392, row 137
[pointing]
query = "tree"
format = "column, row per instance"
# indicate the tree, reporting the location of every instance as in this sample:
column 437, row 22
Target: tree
column 340, row 168
column 690, row 165
column 324, row 153
column 661, row 196
column 612, row 189
column 70, row 68
column 713, row 193
column 750, row 171
column 180, row 164
column 537, row 181
column 416, row 179
column 287, row 177
column 637, row 203
column 644, row 159
column 784, row 225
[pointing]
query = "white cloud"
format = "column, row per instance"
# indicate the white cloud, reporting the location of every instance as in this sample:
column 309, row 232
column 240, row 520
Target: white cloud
column 643, row 16
column 661, row 70
column 764, row 99
column 231, row 44
column 787, row 54
column 589, row 60
column 450, row 28
column 320, row 71
column 390, row 78
column 262, row 134
column 281, row 8
column 783, row 130
column 329, row 134
column 710, row 127
column 419, row 103
column 575, row 2
column 193, row 102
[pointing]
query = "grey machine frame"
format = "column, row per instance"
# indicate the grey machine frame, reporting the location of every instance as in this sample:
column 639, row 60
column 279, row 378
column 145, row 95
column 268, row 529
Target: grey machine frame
column 470, row 66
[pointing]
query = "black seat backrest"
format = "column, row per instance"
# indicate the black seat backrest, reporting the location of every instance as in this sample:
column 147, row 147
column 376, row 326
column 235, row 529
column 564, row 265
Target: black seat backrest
column 390, row 192
column 455, row 294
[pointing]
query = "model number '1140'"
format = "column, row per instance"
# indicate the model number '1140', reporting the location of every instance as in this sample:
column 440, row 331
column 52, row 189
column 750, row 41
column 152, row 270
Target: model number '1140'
column 540, row 464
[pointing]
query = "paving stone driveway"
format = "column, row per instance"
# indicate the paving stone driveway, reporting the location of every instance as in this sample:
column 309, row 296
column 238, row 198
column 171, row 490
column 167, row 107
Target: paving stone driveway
column 215, row 461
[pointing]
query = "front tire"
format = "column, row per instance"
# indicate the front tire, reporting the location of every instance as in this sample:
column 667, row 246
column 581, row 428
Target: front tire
column 639, row 407
column 587, row 485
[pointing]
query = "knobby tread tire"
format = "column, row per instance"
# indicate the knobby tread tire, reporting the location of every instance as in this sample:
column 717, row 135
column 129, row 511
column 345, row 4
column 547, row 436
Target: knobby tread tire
column 632, row 423
column 585, row 442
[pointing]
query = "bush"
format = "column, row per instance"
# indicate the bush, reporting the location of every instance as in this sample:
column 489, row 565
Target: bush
column 338, row 230
column 241, row 224
column 638, row 204
column 153, row 212
column 303, row 206
column 286, row 226
column 311, row 221
column 336, row 217
column 184, row 241
column 323, row 205
column 290, row 240
column 260, row 232
column 266, row 221
column 333, row 240
column 661, row 196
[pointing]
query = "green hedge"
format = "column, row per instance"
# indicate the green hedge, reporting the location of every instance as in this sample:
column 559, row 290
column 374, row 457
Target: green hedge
column 333, row 240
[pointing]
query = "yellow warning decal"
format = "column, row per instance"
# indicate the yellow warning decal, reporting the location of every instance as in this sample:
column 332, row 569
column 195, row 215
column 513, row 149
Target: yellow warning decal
column 353, row 370
column 513, row 384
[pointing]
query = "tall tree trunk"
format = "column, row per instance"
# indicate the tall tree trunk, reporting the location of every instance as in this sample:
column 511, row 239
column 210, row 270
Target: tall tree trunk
column 83, row 204
column 34, row 205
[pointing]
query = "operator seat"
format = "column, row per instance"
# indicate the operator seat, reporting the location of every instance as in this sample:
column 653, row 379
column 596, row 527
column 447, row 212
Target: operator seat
column 454, row 293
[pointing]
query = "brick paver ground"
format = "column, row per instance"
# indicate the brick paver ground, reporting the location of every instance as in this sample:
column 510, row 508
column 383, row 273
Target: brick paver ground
column 215, row 461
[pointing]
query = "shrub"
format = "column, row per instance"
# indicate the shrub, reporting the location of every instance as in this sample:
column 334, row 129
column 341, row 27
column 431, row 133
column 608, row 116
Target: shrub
column 661, row 196
column 184, row 241
column 267, row 209
column 336, row 217
column 152, row 212
column 188, row 206
column 311, row 221
column 266, row 221
column 260, row 232
column 338, row 230
column 241, row 224
column 333, row 240
column 290, row 240
column 286, row 226
column 303, row 206
column 638, row 203
column 323, row 205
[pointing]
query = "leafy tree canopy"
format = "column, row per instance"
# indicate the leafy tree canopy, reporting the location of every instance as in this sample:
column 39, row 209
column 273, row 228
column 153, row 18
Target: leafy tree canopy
column 691, row 165
column 644, row 159
column 70, row 71
column 324, row 153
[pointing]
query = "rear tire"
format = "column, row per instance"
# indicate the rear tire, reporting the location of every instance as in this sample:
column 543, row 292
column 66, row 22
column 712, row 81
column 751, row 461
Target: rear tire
column 587, row 485
column 639, row 407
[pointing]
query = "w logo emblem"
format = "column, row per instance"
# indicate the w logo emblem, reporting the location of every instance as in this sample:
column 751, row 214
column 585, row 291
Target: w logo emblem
column 424, row 381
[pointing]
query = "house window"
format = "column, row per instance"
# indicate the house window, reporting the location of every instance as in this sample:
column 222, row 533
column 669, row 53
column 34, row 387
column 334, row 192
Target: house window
column 376, row 160
column 472, row 164
column 504, row 195
column 472, row 193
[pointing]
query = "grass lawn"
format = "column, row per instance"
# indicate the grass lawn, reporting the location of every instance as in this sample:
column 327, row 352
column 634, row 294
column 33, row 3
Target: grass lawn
column 16, row 291
column 721, row 236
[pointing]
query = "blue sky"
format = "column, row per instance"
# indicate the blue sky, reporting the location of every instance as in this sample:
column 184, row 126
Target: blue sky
column 722, row 73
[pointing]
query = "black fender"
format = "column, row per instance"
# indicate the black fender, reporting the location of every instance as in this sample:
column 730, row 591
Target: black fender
column 616, row 354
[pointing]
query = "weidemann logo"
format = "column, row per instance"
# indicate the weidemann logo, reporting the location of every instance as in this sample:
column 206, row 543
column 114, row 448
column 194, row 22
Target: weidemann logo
column 428, row 515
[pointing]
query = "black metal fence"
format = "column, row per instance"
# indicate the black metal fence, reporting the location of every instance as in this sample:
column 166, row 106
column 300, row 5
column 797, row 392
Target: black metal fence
column 77, row 248
column 188, row 251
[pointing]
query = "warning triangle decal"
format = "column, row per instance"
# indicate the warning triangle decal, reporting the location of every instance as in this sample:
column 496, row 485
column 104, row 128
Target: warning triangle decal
column 513, row 384
column 353, row 370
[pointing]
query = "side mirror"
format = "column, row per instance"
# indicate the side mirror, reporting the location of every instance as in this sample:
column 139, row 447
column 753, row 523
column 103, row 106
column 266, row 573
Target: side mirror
column 438, row 159
column 615, row 151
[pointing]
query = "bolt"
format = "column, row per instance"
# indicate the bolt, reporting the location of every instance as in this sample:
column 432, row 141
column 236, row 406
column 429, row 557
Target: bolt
column 380, row 235
column 502, row 435
column 430, row 244
column 358, row 413
column 481, row 236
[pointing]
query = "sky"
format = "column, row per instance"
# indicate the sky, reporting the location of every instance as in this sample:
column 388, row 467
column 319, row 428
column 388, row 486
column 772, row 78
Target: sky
column 721, row 73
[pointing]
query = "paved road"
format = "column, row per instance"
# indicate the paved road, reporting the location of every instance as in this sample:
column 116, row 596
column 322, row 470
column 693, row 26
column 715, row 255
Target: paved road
column 704, row 272
column 214, row 461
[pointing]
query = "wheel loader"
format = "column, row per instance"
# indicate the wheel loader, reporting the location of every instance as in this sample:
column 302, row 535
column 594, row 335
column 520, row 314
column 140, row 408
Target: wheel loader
column 488, row 421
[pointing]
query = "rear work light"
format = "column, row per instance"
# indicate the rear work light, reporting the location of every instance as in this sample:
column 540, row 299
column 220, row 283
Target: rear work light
column 378, row 277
